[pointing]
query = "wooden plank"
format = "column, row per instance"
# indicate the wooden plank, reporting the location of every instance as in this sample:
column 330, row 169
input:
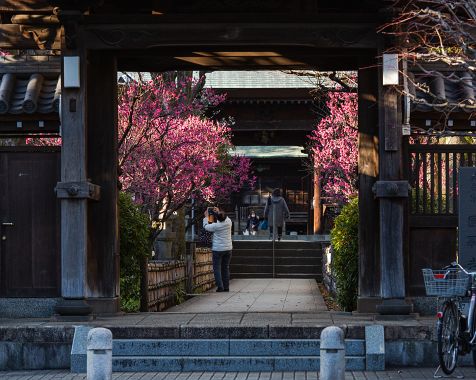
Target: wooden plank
column 416, row 172
column 103, row 235
column 147, row 36
column 440, row 183
column 391, row 125
column 368, row 166
column 447, row 183
column 391, row 216
column 432, row 183
column 14, row 36
column 73, row 168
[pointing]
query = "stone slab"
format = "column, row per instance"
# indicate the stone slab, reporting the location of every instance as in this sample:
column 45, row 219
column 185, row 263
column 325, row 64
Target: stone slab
column 171, row 347
column 79, row 349
column 228, row 364
column 374, row 348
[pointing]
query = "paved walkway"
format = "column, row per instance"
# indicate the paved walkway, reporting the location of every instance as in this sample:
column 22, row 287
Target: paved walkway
column 404, row 373
column 259, row 295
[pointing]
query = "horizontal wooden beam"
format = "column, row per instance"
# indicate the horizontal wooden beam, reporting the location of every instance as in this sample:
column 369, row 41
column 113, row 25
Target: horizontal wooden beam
column 316, row 61
column 149, row 36
column 276, row 125
column 30, row 64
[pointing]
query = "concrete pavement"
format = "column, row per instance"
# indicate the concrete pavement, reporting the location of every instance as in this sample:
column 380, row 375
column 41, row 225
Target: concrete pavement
column 259, row 295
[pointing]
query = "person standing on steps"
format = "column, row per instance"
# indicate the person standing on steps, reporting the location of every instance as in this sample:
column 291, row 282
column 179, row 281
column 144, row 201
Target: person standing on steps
column 221, row 247
column 276, row 211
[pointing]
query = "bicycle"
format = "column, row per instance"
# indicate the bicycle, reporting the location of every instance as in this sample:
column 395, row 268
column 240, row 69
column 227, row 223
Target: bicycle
column 456, row 326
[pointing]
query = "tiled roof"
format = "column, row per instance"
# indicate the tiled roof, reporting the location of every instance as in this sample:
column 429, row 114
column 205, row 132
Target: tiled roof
column 442, row 91
column 256, row 79
column 29, row 93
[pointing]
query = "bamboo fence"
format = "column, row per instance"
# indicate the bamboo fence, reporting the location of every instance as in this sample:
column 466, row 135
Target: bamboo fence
column 167, row 281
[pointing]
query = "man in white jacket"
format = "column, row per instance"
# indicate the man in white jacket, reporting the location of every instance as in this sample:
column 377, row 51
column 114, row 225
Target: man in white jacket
column 221, row 248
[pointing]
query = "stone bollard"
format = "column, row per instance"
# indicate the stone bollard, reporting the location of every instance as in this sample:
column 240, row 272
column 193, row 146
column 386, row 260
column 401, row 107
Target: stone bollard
column 332, row 356
column 99, row 354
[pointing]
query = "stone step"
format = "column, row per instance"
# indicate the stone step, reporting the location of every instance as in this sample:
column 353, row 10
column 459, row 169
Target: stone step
column 317, row 277
column 288, row 260
column 277, row 253
column 283, row 244
column 228, row 347
column 226, row 363
column 291, row 269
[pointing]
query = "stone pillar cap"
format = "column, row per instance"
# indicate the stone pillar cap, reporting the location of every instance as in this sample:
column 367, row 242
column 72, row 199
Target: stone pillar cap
column 332, row 338
column 100, row 339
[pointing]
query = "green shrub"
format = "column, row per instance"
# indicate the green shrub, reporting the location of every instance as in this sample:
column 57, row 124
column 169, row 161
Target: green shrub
column 345, row 242
column 134, row 245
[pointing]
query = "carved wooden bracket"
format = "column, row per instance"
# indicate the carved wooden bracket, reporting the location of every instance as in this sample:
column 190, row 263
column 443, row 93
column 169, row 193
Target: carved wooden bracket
column 78, row 190
column 391, row 189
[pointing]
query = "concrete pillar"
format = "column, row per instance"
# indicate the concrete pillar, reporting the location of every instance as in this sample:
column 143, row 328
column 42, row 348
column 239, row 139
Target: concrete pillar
column 99, row 354
column 332, row 354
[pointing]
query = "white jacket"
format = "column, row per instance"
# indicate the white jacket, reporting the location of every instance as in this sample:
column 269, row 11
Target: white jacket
column 221, row 234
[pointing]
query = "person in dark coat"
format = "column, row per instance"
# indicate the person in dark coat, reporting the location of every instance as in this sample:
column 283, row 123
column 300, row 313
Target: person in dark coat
column 276, row 211
column 252, row 223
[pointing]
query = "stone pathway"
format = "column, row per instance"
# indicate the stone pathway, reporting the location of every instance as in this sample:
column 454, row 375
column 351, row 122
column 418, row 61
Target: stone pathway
column 259, row 295
column 404, row 373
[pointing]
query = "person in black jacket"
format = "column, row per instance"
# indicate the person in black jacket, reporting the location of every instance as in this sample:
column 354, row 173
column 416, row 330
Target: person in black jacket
column 252, row 223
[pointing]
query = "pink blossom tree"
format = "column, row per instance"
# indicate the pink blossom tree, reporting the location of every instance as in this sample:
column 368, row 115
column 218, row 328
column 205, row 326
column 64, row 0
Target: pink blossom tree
column 334, row 147
column 169, row 152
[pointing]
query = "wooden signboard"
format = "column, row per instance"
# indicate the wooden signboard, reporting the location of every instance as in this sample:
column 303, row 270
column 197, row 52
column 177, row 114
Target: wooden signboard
column 467, row 218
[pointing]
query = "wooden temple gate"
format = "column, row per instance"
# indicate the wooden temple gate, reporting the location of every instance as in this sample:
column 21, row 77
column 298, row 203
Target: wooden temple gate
column 97, row 38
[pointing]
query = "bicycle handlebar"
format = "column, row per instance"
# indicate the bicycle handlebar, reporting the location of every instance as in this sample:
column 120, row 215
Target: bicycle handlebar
column 454, row 264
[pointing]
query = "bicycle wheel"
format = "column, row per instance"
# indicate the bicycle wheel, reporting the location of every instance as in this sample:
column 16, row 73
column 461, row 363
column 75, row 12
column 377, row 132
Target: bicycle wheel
column 448, row 330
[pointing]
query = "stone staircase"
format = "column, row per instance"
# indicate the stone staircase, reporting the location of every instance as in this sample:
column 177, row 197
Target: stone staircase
column 292, row 259
column 133, row 352
column 227, row 355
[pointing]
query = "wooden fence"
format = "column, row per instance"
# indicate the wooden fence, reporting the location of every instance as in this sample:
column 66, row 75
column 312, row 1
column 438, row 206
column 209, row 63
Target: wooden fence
column 169, row 282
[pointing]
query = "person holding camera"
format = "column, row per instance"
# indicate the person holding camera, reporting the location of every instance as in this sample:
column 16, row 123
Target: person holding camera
column 221, row 246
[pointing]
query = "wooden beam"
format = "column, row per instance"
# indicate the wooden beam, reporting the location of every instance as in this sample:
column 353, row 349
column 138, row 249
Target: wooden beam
column 103, row 234
column 147, row 36
column 369, row 262
column 14, row 36
column 392, row 274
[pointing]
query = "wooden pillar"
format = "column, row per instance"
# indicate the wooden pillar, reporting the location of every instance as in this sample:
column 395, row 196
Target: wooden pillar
column 71, row 192
column 317, row 205
column 369, row 261
column 391, row 191
column 103, row 234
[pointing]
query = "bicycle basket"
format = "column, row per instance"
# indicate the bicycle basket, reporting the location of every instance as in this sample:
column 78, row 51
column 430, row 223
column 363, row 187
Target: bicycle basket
column 445, row 283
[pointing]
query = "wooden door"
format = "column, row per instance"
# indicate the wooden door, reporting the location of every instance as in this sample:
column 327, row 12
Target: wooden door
column 29, row 223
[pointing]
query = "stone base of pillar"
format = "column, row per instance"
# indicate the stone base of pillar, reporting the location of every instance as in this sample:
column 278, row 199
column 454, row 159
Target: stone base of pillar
column 368, row 304
column 394, row 306
column 105, row 305
column 73, row 308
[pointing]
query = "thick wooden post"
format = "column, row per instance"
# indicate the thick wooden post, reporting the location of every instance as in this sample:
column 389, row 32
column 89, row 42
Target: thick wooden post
column 391, row 191
column 103, row 234
column 369, row 261
column 73, row 202
column 317, row 205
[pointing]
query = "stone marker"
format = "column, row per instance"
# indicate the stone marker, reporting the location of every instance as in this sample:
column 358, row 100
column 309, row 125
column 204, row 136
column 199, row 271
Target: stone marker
column 467, row 218
column 332, row 354
column 79, row 349
column 374, row 348
column 99, row 356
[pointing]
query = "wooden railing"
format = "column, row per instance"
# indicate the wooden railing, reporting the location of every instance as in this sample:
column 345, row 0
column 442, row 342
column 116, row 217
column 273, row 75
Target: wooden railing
column 433, row 176
column 172, row 282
